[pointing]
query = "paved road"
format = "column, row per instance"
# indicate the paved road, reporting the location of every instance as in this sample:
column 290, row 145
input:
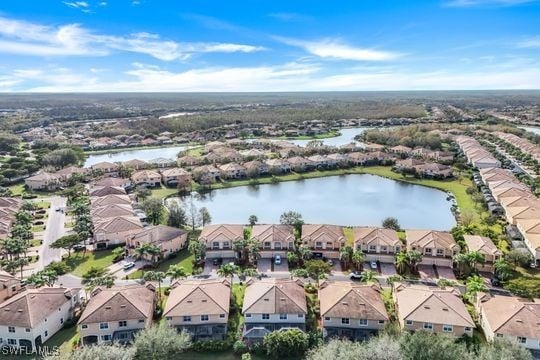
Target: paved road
column 55, row 229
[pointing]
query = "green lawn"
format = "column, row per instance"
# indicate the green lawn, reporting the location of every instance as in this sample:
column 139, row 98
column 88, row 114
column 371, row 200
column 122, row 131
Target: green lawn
column 63, row 339
column 17, row 189
column 196, row 151
column 43, row 204
column 81, row 264
column 183, row 258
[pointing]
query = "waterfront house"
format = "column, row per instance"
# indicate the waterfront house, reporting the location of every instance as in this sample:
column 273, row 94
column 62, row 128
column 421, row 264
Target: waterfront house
column 434, row 170
column 162, row 162
column 278, row 166
column 273, row 239
column 255, row 168
column 168, row 239
column 432, row 309
column 219, row 240
column 115, row 314
column 66, row 173
column 351, row 310
column 358, row 159
column 273, row 304
column 323, row 240
column 200, row 308
column 146, row 178
column 510, row 317
column 378, row 244
column 30, row 318
column 486, row 247
column 107, row 168
column 136, row 164
column 107, row 190
column 115, row 182
column 106, row 200
column 206, row 173
column 189, row 160
column 300, row 164
column 233, row 171
column 436, row 247
column 174, row 176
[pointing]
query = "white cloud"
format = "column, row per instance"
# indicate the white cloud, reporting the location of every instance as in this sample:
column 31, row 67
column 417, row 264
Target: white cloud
column 288, row 16
column 25, row 38
column 286, row 77
column 103, row 3
column 77, row 4
column 533, row 42
column 336, row 49
column 496, row 3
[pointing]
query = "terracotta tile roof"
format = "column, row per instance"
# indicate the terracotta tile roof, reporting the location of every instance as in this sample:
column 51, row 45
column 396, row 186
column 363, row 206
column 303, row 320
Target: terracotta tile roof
column 376, row 236
column 221, row 232
column 431, row 304
column 110, row 181
column 105, row 165
column 346, row 299
column 174, row 172
column 199, row 297
column 109, row 200
column 482, row 244
column 43, row 176
column 510, row 315
column 274, row 296
column 430, row 238
column 158, row 234
column 272, row 233
column 107, row 190
column 129, row 302
column 145, row 174
column 117, row 224
column 322, row 233
column 113, row 210
column 29, row 308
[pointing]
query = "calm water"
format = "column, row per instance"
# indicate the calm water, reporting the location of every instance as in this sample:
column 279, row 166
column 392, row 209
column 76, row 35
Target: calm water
column 344, row 200
column 141, row 154
column 346, row 137
column 534, row 130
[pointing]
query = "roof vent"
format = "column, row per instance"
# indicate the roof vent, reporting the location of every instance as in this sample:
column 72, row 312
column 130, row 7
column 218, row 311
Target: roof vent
column 345, row 303
column 122, row 306
column 266, row 299
column 204, row 300
column 519, row 320
column 282, row 299
column 6, row 309
column 445, row 309
column 19, row 310
column 108, row 308
column 427, row 307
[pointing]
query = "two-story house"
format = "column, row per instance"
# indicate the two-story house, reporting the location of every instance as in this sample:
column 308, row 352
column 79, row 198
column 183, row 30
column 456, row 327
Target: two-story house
column 273, row 239
column 9, row 285
column 432, row 309
column 32, row 317
column 107, row 168
column 200, row 308
column 351, row 310
column 146, row 178
column 486, row 247
column 115, row 314
column 436, row 247
column 323, row 240
column 272, row 305
column 219, row 240
column 378, row 244
column 174, row 176
column 167, row 238
column 510, row 317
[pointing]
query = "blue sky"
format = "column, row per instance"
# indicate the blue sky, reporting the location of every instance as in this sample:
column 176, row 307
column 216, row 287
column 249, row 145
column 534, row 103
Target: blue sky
column 279, row 45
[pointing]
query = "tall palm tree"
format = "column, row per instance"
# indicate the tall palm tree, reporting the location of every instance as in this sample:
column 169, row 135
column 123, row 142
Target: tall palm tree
column 474, row 258
column 304, row 252
column 475, row 284
column 157, row 276
column 228, row 270
column 414, row 257
column 357, row 259
column 292, row 258
column 368, row 276
column 345, row 255
column 461, row 260
column 402, row 261
column 503, row 269
column 176, row 272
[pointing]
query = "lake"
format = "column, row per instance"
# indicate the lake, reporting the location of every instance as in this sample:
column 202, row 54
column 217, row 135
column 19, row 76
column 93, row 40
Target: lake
column 356, row 199
column 168, row 152
column 347, row 135
column 534, row 130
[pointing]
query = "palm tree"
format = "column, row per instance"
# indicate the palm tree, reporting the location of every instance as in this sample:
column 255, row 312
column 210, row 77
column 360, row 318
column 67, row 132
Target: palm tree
column 475, row 284
column 176, row 272
column 503, row 269
column 36, row 280
column 357, row 259
column 402, row 261
column 250, row 272
column 158, row 276
column 227, row 270
column 292, row 258
column 140, row 252
column 414, row 258
column 50, row 276
column 368, row 276
column 461, row 261
column 305, row 252
column 345, row 255
column 474, row 258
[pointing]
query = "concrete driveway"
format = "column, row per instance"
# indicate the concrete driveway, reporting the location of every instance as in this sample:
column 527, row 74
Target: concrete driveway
column 283, row 267
column 388, row 269
column 445, row 273
column 427, row 272
column 264, row 265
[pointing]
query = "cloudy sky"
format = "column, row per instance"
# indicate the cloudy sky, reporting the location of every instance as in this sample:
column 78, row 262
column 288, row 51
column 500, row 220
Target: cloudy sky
column 259, row 45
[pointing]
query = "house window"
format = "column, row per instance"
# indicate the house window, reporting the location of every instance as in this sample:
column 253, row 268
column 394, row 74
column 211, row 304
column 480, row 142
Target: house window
column 468, row 329
column 204, row 317
column 447, row 328
column 300, row 316
column 11, row 329
column 318, row 245
column 168, row 318
column 363, row 322
column 226, row 245
column 277, row 245
column 222, row 316
column 372, row 248
column 267, row 245
column 381, row 321
column 141, row 321
column 500, row 335
column 398, row 249
column 12, row 342
column 345, row 321
column 521, row 340
column 106, row 337
column 84, row 326
column 409, row 322
column 326, row 319
column 329, row 245
column 215, row 245
column 248, row 315
column 103, row 326
column 187, row 318
column 291, row 245
column 122, row 323
column 428, row 251
column 27, row 330
column 440, row 252
column 282, row 316
column 384, row 248
column 428, row 326
column 266, row 316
